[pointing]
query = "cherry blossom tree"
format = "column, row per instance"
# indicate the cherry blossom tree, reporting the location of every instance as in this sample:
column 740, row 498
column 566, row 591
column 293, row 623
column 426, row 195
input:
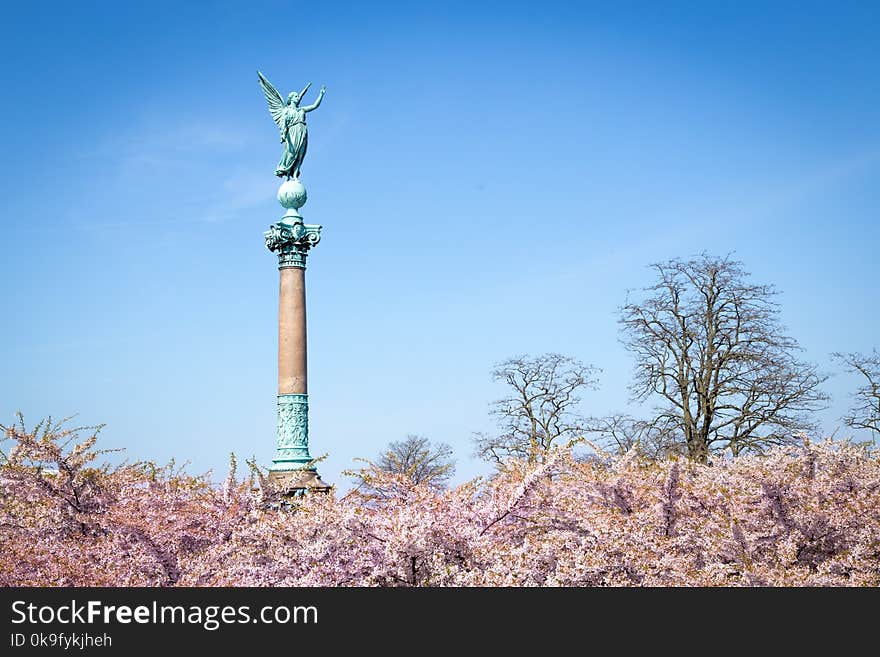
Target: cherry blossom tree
column 798, row 515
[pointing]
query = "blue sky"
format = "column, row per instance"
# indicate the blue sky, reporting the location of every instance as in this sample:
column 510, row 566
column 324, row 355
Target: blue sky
column 491, row 179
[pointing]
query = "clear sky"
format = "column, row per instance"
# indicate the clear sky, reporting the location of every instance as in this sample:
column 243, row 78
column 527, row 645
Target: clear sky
column 491, row 179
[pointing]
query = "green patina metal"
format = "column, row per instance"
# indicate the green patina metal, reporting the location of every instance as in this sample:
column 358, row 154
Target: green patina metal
column 290, row 237
column 292, row 195
column 290, row 118
column 292, row 451
column 292, row 241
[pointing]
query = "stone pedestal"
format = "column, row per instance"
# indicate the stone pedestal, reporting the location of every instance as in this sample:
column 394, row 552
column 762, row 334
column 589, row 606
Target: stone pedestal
column 297, row 482
column 291, row 239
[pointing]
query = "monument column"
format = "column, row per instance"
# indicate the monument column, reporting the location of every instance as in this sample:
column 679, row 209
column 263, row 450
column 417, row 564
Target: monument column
column 291, row 239
column 292, row 468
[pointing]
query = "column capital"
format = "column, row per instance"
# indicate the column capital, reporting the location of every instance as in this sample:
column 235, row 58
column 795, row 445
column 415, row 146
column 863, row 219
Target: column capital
column 292, row 241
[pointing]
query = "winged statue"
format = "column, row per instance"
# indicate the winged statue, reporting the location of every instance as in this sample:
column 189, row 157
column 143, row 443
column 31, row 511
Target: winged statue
column 290, row 117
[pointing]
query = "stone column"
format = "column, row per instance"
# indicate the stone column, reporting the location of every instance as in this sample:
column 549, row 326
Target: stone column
column 292, row 361
column 291, row 239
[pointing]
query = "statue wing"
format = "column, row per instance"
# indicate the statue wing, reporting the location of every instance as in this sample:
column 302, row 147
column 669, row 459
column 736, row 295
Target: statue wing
column 276, row 104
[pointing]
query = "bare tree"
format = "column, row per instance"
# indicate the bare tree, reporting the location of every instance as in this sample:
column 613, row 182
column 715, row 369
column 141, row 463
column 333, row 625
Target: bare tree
column 540, row 409
column 420, row 460
column 709, row 344
column 865, row 412
column 655, row 439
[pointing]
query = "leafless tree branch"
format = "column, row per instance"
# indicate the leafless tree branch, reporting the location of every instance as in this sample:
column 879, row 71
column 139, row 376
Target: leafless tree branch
column 541, row 408
column 709, row 344
column 865, row 412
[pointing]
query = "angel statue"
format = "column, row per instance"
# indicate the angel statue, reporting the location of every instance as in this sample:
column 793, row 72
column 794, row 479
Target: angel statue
column 291, row 118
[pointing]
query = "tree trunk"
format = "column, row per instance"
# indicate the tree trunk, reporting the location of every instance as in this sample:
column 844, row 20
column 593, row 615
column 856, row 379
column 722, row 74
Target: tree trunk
column 698, row 450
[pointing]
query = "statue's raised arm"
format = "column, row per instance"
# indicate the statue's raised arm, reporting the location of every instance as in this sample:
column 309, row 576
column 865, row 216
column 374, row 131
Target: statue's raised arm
column 290, row 117
column 317, row 103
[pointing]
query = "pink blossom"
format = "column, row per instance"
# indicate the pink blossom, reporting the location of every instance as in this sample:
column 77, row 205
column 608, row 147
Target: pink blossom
column 796, row 516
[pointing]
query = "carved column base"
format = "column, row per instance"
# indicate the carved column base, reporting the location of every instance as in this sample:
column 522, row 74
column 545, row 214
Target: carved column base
column 292, row 450
column 291, row 469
